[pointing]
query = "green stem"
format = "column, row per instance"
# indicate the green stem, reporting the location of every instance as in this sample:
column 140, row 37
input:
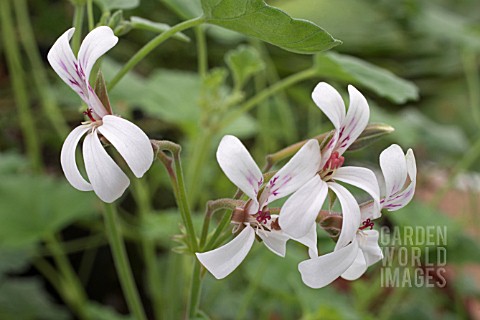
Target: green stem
column 121, row 263
column 155, row 42
column 183, row 201
column 77, row 24
column 72, row 288
column 224, row 223
column 470, row 157
column 12, row 55
column 141, row 195
column 178, row 185
column 212, row 207
column 49, row 273
column 91, row 22
column 201, row 50
column 195, row 289
column 48, row 102
column 266, row 93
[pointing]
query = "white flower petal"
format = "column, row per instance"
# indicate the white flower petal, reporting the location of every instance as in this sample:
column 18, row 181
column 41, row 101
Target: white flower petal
column 350, row 213
column 394, row 169
column 63, row 61
column 355, row 121
column 107, row 179
column 328, row 149
column 130, row 141
column 299, row 212
column 96, row 43
column 310, row 241
column 357, row 269
column 411, row 165
column 321, row 271
column 223, row 260
column 68, row 162
column 301, row 168
column 400, row 199
column 330, row 102
column 368, row 243
column 98, row 109
column 275, row 241
column 364, row 179
column 367, row 211
column 239, row 166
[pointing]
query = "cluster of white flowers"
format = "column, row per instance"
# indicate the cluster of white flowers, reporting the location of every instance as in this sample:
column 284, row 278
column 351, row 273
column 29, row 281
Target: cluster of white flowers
column 307, row 177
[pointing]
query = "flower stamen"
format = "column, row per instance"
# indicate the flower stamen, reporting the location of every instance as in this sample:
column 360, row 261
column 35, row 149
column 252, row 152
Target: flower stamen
column 367, row 223
column 89, row 114
column 263, row 216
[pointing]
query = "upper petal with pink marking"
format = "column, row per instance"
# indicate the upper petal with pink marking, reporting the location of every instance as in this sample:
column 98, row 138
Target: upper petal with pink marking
column 355, row 121
column 301, row 168
column 239, row 166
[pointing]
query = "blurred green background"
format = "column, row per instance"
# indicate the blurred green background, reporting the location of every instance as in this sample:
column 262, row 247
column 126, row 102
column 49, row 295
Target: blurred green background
column 433, row 45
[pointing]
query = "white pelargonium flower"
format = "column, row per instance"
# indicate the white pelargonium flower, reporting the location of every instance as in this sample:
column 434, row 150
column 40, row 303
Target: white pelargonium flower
column 254, row 218
column 106, row 178
column 301, row 209
column 351, row 261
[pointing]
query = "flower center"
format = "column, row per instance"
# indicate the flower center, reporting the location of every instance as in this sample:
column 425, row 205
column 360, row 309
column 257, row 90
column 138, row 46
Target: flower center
column 89, row 114
column 263, row 216
column 367, row 223
column 334, row 162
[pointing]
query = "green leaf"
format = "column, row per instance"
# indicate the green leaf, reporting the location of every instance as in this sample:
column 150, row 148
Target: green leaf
column 14, row 260
column 33, row 207
column 26, row 299
column 244, row 62
column 185, row 9
column 257, row 19
column 145, row 24
column 358, row 72
column 108, row 5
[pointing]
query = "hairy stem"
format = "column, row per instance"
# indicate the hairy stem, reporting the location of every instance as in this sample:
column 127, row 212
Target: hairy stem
column 178, row 184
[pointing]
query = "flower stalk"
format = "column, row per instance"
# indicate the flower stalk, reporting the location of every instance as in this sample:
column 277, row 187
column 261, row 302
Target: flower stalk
column 178, row 184
column 121, row 263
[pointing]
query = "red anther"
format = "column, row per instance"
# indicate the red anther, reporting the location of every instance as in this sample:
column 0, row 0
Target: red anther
column 263, row 216
column 367, row 223
column 89, row 114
